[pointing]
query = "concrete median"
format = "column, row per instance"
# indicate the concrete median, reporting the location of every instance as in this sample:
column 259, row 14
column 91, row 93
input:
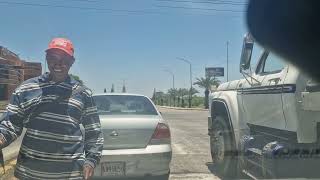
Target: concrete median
column 180, row 108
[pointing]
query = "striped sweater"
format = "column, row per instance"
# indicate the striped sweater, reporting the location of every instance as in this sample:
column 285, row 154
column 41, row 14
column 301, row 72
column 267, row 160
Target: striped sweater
column 54, row 146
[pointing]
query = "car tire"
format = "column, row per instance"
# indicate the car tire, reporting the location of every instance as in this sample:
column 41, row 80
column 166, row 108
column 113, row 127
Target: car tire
column 162, row 177
column 223, row 151
column 165, row 177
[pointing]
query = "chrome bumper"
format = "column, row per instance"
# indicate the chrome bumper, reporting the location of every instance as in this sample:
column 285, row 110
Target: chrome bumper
column 153, row 160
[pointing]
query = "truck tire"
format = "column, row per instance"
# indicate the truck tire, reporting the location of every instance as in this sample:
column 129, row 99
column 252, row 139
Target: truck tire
column 223, row 150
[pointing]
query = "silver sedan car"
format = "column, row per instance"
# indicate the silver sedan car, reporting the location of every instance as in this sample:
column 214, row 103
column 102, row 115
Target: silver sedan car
column 137, row 140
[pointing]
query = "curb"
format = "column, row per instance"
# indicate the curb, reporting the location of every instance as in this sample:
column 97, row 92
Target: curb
column 179, row 108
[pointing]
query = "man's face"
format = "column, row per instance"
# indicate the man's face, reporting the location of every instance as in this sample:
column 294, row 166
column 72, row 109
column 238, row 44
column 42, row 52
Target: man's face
column 59, row 64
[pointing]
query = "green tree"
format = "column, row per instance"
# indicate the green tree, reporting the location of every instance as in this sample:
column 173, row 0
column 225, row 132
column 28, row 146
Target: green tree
column 206, row 83
column 198, row 101
column 194, row 91
column 124, row 89
column 154, row 96
column 112, row 88
column 76, row 78
column 160, row 97
column 182, row 93
column 173, row 94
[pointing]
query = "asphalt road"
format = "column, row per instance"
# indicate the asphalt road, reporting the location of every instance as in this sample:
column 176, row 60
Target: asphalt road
column 190, row 143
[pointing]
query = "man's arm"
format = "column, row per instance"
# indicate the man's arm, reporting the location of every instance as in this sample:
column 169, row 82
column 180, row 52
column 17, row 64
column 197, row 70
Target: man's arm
column 11, row 125
column 93, row 134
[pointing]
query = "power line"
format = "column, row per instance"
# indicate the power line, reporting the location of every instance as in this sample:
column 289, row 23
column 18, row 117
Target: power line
column 226, row 1
column 194, row 8
column 206, row 2
column 78, row 7
column 106, row 10
column 87, row 1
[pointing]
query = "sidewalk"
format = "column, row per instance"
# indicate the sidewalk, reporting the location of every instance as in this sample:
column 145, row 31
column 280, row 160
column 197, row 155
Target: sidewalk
column 180, row 108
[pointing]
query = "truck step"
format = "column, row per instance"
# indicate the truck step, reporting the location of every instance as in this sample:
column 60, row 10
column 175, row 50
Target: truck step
column 253, row 162
column 253, row 156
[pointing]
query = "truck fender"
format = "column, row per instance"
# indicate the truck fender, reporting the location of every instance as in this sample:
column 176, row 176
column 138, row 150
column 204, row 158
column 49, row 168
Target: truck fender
column 228, row 107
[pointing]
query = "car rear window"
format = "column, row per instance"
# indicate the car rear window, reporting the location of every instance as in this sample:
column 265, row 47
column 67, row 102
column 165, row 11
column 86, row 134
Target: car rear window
column 124, row 104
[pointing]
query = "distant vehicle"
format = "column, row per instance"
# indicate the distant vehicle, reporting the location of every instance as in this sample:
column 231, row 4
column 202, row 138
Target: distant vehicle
column 137, row 140
column 268, row 124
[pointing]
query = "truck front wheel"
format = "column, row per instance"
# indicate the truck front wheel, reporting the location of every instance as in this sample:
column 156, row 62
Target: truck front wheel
column 223, row 151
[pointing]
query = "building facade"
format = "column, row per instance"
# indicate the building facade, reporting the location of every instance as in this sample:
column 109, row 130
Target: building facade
column 13, row 71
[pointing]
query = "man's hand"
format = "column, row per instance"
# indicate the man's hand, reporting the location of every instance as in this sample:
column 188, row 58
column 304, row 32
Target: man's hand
column 87, row 171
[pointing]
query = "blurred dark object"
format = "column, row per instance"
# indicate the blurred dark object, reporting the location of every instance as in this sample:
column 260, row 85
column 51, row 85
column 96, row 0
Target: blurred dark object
column 290, row 28
column 313, row 86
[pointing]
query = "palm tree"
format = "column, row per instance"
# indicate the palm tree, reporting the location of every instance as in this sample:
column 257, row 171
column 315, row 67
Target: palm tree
column 206, row 83
column 182, row 92
column 112, row 88
column 124, row 89
column 173, row 94
column 154, row 96
column 159, row 96
column 187, row 93
column 193, row 91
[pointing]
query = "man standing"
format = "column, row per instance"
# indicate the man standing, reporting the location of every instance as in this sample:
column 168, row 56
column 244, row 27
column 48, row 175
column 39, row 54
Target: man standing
column 51, row 107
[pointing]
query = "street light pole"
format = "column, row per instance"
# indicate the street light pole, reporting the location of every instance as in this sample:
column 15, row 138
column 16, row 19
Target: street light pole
column 227, row 61
column 170, row 72
column 190, row 71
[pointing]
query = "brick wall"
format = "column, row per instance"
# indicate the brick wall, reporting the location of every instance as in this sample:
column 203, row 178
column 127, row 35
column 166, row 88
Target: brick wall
column 13, row 71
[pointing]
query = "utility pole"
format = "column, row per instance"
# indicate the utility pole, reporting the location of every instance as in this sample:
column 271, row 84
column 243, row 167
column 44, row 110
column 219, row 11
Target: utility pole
column 190, row 71
column 227, row 60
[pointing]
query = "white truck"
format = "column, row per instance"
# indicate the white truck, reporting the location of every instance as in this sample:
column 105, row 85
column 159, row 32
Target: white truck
column 266, row 125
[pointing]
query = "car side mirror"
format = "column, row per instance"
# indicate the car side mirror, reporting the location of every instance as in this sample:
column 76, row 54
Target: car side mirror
column 246, row 52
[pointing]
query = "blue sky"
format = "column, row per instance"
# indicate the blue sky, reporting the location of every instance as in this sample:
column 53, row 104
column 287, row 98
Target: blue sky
column 131, row 40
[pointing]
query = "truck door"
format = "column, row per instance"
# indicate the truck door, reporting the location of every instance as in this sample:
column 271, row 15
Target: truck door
column 261, row 99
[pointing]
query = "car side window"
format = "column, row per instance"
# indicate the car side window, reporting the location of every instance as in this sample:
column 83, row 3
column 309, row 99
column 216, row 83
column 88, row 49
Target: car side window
column 272, row 64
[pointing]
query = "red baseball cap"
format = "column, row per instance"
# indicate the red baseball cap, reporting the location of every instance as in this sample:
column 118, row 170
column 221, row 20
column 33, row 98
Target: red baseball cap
column 62, row 44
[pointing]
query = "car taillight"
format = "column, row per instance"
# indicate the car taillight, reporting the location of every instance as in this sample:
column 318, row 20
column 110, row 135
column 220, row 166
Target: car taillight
column 162, row 132
column 161, row 135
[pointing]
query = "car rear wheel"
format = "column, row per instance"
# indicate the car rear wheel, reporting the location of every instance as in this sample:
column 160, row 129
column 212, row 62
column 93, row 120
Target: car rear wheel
column 162, row 177
column 223, row 148
column 165, row 177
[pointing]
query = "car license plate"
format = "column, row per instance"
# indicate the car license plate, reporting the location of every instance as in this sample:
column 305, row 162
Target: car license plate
column 113, row 169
